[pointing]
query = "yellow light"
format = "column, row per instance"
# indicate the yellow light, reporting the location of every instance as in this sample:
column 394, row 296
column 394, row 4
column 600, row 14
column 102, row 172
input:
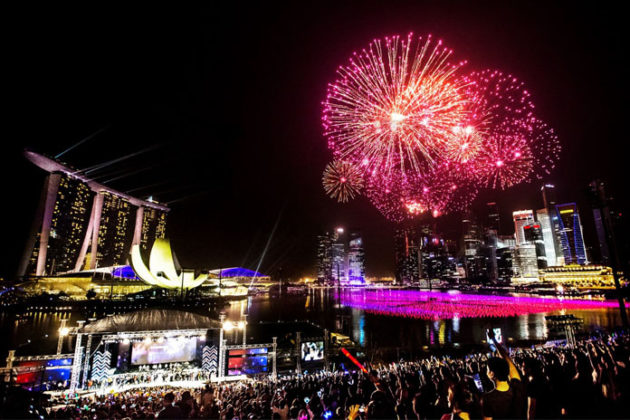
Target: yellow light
column 64, row 331
column 241, row 325
column 228, row 325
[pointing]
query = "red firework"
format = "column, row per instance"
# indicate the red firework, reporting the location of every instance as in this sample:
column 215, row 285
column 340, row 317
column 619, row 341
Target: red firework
column 426, row 138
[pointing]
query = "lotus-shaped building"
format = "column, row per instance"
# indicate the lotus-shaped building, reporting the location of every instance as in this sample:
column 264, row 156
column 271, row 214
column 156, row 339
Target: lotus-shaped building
column 161, row 271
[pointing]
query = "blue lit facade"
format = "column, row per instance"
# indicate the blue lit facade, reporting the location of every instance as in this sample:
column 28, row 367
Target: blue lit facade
column 571, row 236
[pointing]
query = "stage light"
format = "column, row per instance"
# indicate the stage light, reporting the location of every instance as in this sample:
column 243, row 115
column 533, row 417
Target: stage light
column 126, row 341
column 147, row 340
column 241, row 325
column 228, row 325
column 64, row 331
column 160, row 339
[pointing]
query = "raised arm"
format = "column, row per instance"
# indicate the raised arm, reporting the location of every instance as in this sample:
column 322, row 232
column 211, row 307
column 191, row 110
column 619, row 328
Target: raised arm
column 514, row 374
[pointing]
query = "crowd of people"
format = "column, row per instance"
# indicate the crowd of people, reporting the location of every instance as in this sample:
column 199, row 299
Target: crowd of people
column 590, row 380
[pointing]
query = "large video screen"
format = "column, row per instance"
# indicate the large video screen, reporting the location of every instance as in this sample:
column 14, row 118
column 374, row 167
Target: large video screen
column 312, row 351
column 247, row 361
column 168, row 351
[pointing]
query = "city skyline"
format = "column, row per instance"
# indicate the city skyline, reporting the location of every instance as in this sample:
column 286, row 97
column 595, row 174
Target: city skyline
column 158, row 104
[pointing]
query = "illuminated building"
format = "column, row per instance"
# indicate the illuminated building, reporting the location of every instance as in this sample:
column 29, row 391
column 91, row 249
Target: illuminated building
column 549, row 203
column 340, row 257
column 153, row 226
column 548, row 236
column 524, row 257
column 533, row 235
column 242, row 276
column 59, row 226
column 114, row 232
column 435, row 260
column 338, row 261
column 522, row 218
column 580, row 276
column 472, row 236
column 161, row 271
column 490, row 252
column 571, row 235
column 525, row 261
column 81, row 224
column 356, row 259
column 406, row 248
column 324, row 257
column 505, row 270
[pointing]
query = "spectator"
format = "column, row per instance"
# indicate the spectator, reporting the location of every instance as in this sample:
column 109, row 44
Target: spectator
column 170, row 411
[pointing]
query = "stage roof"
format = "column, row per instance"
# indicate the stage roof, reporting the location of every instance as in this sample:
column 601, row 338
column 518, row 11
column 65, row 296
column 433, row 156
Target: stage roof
column 151, row 320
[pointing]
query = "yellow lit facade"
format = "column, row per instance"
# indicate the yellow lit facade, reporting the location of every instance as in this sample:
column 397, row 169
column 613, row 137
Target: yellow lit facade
column 153, row 227
column 580, row 276
column 161, row 271
column 77, row 287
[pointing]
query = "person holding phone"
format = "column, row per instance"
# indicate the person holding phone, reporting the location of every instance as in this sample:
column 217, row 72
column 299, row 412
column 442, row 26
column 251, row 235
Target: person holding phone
column 507, row 399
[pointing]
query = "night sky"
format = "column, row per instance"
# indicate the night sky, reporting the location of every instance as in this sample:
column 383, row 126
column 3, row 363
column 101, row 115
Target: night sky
column 225, row 103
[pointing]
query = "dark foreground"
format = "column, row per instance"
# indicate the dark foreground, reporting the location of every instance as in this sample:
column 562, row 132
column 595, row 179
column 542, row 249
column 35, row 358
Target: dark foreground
column 589, row 381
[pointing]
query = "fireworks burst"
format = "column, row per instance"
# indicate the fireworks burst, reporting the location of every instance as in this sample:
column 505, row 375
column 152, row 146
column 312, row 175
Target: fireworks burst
column 393, row 106
column 342, row 181
column 424, row 137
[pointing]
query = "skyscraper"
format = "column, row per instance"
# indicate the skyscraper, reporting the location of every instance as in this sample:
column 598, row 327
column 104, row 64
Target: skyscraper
column 525, row 259
column 490, row 251
column 406, row 248
column 59, row 226
column 114, row 231
column 493, row 216
column 324, row 257
column 571, row 236
column 549, row 203
column 522, row 218
column 340, row 257
column 471, row 235
column 548, row 236
column 65, row 231
column 356, row 259
column 505, row 270
column 534, row 235
column 152, row 224
column 549, row 195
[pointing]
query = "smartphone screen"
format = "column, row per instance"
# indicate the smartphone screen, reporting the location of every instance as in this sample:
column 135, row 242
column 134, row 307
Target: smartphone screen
column 478, row 383
column 497, row 336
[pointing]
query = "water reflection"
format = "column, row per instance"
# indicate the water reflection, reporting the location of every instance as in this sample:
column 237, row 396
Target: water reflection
column 374, row 320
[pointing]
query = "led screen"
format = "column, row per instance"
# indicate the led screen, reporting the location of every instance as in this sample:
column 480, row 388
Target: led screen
column 312, row 350
column 168, row 351
column 247, row 362
column 54, row 370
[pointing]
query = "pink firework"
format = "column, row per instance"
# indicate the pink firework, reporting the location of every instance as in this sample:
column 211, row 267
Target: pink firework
column 394, row 104
column 426, row 138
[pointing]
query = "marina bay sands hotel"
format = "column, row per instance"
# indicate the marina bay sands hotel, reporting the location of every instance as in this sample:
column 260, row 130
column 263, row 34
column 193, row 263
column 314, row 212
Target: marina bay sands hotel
column 81, row 224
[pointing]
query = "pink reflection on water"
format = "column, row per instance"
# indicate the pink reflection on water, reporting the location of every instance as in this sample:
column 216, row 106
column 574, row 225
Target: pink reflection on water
column 447, row 305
